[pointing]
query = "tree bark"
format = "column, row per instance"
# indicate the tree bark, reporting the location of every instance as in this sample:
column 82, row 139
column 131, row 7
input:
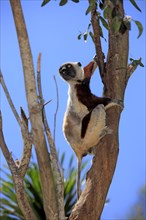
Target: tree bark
column 17, row 174
column 35, row 114
column 93, row 197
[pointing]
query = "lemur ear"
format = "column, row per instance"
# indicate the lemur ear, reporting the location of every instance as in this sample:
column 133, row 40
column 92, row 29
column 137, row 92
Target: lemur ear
column 89, row 70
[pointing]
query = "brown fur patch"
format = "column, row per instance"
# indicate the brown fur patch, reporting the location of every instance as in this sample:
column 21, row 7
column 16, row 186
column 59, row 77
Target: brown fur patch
column 88, row 70
column 85, row 96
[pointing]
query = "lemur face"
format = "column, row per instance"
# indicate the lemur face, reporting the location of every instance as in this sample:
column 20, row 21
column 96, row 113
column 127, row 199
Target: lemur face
column 72, row 71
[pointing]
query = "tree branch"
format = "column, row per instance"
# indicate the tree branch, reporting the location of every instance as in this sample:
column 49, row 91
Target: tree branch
column 23, row 164
column 9, row 99
column 97, row 41
column 18, row 180
column 35, row 114
column 53, row 153
column 4, row 147
column 57, row 106
column 27, row 141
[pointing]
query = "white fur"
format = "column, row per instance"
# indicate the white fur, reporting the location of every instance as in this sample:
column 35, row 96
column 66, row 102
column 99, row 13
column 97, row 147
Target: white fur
column 79, row 71
column 75, row 112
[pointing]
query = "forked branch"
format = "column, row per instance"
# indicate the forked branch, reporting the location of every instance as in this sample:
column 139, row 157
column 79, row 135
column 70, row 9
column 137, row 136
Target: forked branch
column 53, row 153
column 27, row 138
column 17, row 178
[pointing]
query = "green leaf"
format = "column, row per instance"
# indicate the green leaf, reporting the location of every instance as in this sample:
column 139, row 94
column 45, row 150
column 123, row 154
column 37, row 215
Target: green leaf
column 103, row 21
column 116, row 24
column 63, row 2
column 79, row 36
column 107, row 201
column 140, row 28
column 92, row 4
column 76, row 1
column 135, row 5
column 85, row 35
column 141, row 64
column 101, row 33
column 89, row 25
column 101, row 4
column 136, row 62
column 91, row 35
column 45, row 2
column 62, row 159
column 88, row 10
column 71, row 161
column 107, row 12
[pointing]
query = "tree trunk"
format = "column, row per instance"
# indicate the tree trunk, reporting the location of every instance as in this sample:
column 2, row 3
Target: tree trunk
column 93, row 197
column 35, row 114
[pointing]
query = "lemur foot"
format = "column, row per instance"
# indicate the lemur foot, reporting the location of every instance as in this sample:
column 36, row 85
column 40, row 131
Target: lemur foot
column 115, row 102
column 106, row 131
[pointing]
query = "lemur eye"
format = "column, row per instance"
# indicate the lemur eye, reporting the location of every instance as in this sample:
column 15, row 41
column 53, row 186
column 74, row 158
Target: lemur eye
column 79, row 64
column 69, row 65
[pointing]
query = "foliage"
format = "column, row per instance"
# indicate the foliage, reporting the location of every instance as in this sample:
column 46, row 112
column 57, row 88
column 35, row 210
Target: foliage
column 135, row 5
column 140, row 27
column 118, row 23
column 91, row 5
column 136, row 62
column 8, row 204
column 61, row 3
column 110, row 10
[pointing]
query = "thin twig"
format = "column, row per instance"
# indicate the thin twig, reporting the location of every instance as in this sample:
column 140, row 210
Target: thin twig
column 27, row 143
column 46, row 103
column 24, row 118
column 5, row 150
column 40, row 89
column 39, row 63
column 9, row 99
column 39, row 78
column 24, row 163
column 27, row 138
column 57, row 107
column 53, row 152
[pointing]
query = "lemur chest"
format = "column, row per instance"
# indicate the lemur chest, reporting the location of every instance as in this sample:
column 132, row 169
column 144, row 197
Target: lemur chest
column 73, row 120
column 73, row 117
column 72, row 127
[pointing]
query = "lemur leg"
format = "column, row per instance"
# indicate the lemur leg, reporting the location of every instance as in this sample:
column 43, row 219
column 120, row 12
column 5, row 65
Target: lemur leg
column 78, row 178
column 96, row 128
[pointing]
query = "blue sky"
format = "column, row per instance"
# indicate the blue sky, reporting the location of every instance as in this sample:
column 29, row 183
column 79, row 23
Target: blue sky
column 53, row 31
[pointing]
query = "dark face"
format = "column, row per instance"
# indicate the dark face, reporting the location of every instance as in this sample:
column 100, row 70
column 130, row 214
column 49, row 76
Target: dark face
column 68, row 71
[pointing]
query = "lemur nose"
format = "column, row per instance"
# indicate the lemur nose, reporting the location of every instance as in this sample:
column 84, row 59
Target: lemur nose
column 79, row 64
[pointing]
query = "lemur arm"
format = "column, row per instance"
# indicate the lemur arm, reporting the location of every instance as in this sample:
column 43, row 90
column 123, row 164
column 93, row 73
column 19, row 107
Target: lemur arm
column 85, row 96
